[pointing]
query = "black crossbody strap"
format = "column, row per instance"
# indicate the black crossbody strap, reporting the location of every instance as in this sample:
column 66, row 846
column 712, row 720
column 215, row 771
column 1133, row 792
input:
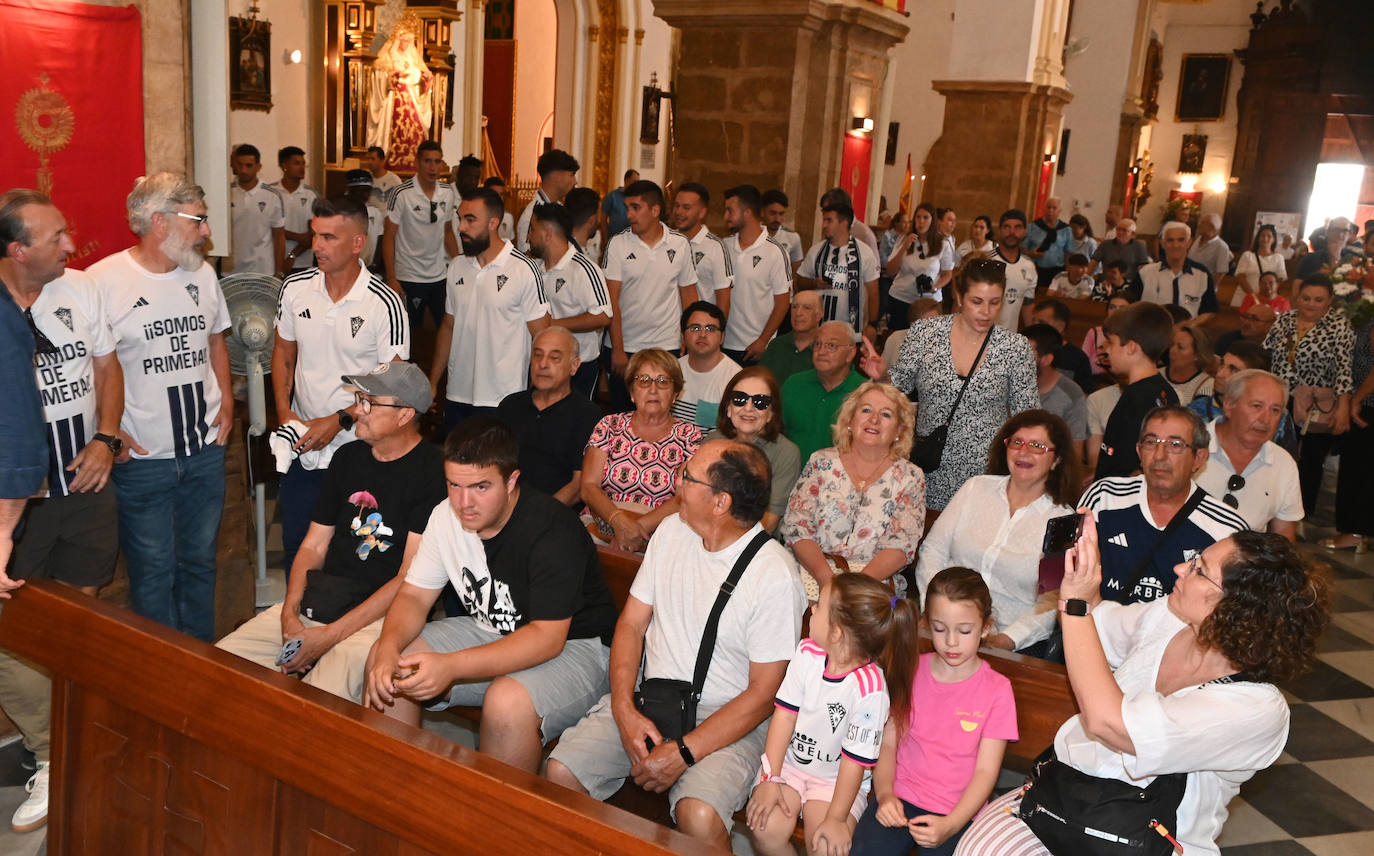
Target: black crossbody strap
column 708, row 635
column 1183, row 513
column 976, row 361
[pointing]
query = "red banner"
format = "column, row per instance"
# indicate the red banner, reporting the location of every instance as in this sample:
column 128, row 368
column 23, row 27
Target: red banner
column 71, row 113
column 854, row 163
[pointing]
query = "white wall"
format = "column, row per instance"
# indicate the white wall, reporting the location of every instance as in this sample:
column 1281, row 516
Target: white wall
column 288, row 123
column 923, row 57
column 536, row 57
column 996, row 39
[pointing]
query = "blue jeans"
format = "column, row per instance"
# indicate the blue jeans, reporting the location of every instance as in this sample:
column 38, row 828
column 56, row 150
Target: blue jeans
column 296, row 495
column 169, row 512
column 871, row 838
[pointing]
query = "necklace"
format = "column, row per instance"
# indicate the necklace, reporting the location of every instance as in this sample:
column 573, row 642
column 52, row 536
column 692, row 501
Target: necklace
column 862, row 483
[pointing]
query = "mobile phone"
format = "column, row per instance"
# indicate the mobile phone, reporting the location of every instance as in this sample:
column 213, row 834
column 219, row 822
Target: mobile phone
column 1061, row 533
column 288, row 651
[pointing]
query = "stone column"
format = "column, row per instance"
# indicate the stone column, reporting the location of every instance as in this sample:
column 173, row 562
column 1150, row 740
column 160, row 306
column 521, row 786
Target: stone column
column 766, row 90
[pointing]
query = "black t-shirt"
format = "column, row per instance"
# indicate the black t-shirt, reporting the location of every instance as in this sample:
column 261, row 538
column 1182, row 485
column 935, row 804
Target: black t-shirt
column 552, row 440
column 550, row 569
column 373, row 506
column 1119, row 438
column 1071, row 360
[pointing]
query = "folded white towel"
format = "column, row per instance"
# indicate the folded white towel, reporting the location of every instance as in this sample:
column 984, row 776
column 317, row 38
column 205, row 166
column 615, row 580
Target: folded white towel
column 283, row 442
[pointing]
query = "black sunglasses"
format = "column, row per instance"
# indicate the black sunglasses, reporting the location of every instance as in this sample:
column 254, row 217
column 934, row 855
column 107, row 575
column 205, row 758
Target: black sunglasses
column 42, row 345
column 433, row 212
column 761, row 402
column 1233, row 484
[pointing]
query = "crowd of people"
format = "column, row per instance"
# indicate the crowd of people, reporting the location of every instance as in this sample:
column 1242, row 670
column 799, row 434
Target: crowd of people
column 864, row 437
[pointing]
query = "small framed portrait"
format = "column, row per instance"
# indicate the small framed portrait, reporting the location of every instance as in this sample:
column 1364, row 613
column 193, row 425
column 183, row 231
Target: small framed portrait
column 250, row 68
column 1202, row 85
column 1192, row 153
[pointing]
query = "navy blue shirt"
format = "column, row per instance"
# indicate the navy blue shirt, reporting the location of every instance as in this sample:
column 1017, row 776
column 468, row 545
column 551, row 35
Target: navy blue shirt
column 24, row 446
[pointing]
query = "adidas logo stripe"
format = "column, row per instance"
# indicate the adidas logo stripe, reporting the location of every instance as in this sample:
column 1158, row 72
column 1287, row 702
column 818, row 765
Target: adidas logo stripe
column 1119, row 540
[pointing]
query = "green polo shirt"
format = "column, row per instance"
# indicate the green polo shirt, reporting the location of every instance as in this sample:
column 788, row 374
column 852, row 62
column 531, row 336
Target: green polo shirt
column 808, row 410
column 784, row 360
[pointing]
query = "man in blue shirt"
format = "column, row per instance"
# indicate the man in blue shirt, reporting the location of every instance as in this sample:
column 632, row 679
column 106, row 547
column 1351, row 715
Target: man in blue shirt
column 613, row 214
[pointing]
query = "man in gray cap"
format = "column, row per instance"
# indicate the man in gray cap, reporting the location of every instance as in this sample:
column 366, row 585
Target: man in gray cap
column 365, row 528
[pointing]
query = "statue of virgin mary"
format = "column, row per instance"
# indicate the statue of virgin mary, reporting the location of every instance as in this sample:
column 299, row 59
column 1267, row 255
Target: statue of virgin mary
column 400, row 103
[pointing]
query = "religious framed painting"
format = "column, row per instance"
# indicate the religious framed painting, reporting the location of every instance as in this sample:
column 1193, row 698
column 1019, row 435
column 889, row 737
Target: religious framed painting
column 250, row 67
column 1202, row 84
column 1192, row 153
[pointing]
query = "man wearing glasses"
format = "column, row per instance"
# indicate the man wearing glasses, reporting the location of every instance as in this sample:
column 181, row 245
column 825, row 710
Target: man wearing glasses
column 706, row 370
column 418, row 237
column 365, row 527
column 164, row 306
column 811, row 399
column 1148, row 524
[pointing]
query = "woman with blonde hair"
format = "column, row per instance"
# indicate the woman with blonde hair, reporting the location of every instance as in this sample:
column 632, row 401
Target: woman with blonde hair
column 859, row 506
column 1192, row 364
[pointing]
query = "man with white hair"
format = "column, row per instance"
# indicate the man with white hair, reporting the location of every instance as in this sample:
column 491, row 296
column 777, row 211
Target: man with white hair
column 1209, row 249
column 163, row 304
column 1245, row 468
column 1047, row 243
column 1124, row 248
column 1176, row 278
column 811, row 399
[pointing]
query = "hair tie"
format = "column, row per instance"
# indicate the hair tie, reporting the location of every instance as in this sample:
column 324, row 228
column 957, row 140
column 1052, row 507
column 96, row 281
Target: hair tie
column 893, row 603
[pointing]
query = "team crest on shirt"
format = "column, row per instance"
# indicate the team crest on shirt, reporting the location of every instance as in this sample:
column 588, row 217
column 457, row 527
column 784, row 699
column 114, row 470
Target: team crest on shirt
column 64, row 315
column 757, row 259
column 193, row 290
column 836, row 712
column 262, row 206
column 558, row 284
column 303, row 200
column 672, row 254
column 697, row 257
column 356, row 324
column 501, row 281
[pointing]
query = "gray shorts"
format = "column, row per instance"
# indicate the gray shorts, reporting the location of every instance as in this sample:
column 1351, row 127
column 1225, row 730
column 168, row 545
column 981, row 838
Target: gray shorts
column 562, row 689
column 592, row 751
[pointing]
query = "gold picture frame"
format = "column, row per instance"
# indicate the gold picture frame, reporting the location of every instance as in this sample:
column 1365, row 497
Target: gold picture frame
column 1203, row 82
column 250, row 64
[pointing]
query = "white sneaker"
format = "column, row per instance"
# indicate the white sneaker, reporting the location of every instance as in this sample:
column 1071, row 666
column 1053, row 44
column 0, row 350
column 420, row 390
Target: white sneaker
column 33, row 812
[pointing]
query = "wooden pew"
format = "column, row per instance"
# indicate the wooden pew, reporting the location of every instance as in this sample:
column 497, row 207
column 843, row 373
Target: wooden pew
column 162, row 744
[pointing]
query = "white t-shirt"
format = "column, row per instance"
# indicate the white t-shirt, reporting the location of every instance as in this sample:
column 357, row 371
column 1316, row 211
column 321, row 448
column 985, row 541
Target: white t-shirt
column 967, row 248
column 162, row 323
column 650, row 281
column 792, row 241
column 715, row 267
column 376, row 225
column 420, row 254
column 915, row 264
column 386, row 183
column 575, row 286
column 507, row 228
column 832, row 271
column 522, row 226
column 680, row 580
column 762, row 272
column 699, row 402
column 489, row 356
column 297, row 204
column 1271, row 490
column 450, row 553
column 255, row 213
column 1081, row 290
column 838, row 716
column 1100, row 406
column 352, row 337
column 1021, row 280
column 69, row 312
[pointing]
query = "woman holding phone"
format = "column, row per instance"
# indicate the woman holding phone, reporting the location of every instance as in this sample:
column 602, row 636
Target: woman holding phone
column 995, row 524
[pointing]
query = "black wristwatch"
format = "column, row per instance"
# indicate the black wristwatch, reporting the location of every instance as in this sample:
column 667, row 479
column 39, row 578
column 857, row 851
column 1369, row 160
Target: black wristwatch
column 345, row 420
column 114, row 443
column 686, row 753
column 1075, row 606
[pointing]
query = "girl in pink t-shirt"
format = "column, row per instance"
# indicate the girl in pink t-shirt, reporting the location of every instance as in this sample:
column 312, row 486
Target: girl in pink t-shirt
column 938, row 764
column 824, row 737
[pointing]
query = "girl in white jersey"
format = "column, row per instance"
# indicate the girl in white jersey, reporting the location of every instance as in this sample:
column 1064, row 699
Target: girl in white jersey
column 824, row 737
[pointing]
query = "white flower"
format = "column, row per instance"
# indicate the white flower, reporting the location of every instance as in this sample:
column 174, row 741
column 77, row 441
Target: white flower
column 1342, row 270
column 1368, row 297
column 1345, row 289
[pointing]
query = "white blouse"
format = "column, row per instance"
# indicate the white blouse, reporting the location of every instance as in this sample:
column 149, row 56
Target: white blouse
column 967, row 247
column 1252, row 265
column 904, row 285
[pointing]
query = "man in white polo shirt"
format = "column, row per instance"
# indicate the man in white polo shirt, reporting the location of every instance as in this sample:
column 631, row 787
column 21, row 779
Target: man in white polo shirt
column 1245, row 468
column 163, row 304
column 383, row 180
column 715, row 268
column 494, row 307
column 762, row 285
column 333, row 319
column 259, row 219
column 575, row 288
column 296, row 198
column 419, row 236
column 1022, row 275
column 646, row 266
column 843, row 269
column 775, row 204
column 1177, row 279
column 557, row 175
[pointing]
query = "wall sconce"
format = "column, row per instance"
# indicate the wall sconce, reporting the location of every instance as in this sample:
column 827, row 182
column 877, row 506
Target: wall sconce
column 1051, row 158
column 292, row 56
column 861, row 123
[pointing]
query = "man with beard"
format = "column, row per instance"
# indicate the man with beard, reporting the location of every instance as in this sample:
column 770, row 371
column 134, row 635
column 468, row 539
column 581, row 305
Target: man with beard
column 762, row 284
column 575, row 288
column 557, row 175
column 1021, row 271
column 258, row 216
column 163, row 304
column 495, row 303
column 715, row 268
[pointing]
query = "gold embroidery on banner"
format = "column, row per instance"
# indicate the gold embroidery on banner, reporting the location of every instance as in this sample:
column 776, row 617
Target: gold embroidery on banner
column 46, row 122
column 605, row 95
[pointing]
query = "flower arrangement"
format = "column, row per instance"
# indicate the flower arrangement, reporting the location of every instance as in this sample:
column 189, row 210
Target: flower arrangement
column 1353, row 282
column 1181, row 209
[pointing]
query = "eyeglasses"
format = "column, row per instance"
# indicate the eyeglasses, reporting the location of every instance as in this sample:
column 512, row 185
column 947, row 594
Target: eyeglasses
column 366, row 404
column 1195, row 567
column 1233, row 484
column 1170, row 445
column 201, row 219
column 698, row 328
column 761, row 402
column 832, row 346
column 686, row 476
column 433, row 212
column 645, row 381
column 1035, row 447
column 42, row 345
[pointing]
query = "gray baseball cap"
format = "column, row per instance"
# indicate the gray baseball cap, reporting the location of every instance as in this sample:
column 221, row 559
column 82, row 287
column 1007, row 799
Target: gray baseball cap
column 401, row 380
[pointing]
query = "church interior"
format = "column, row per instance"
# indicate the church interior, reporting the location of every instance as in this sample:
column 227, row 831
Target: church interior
column 1161, row 110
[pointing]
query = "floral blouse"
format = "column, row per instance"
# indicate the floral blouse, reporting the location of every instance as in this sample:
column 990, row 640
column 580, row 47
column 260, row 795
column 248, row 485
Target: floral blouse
column 639, row 470
column 1320, row 358
column 828, row 508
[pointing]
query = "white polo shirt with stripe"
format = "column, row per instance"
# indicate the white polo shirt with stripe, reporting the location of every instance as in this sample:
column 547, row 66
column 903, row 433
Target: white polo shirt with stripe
column 298, row 204
column 762, row 272
column 650, row 277
column 386, row 183
column 255, row 213
column 573, row 286
column 1021, row 281
column 522, row 226
column 162, row 323
column 365, row 328
column 792, row 241
column 715, row 267
column 376, row 225
column 489, row 354
column 68, row 312
column 420, row 253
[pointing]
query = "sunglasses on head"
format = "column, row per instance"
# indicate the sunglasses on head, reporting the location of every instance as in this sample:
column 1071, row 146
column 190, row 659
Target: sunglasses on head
column 761, row 401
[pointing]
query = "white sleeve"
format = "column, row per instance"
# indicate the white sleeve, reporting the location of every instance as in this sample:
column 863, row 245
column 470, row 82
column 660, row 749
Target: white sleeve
column 794, row 250
column 613, row 259
column 1248, row 264
column 947, row 260
column 427, row 569
column 808, row 265
column 686, row 268
column 642, row 589
column 1290, row 500
column 776, row 609
column 935, row 549
column 286, row 317
column 863, row 735
column 220, row 322
column 1117, row 625
column 533, row 301
column 791, row 690
column 278, row 218
column 1225, row 728
column 102, row 338
column 868, row 263
column 782, row 274
column 450, row 292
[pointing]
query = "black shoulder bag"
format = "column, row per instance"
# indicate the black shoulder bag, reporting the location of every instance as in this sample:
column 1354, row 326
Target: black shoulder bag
column 929, row 450
column 671, row 705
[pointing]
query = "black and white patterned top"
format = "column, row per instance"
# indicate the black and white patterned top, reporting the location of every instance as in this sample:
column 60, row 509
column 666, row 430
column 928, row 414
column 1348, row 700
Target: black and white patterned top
column 1003, row 384
column 1321, row 358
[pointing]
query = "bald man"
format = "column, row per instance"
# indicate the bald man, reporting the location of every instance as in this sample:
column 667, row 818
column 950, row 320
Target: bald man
column 790, row 353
